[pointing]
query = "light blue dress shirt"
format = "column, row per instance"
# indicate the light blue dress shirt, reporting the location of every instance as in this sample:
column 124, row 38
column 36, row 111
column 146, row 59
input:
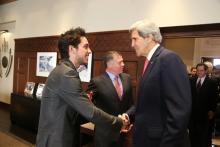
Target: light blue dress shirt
column 112, row 77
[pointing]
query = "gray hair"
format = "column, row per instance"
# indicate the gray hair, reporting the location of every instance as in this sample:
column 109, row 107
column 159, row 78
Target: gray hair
column 145, row 27
column 209, row 64
column 109, row 56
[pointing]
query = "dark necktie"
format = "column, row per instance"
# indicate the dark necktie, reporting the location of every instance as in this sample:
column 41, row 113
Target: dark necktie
column 199, row 85
column 117, row 87
column 145, row 66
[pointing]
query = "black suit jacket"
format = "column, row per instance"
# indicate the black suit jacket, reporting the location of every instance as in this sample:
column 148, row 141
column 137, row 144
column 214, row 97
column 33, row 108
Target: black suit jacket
column 164, row 103
column 106, row 98
column 62, row 101
column 203, row 100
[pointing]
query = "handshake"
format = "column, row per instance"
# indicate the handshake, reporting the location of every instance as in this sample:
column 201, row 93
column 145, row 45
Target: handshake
column 126, row 123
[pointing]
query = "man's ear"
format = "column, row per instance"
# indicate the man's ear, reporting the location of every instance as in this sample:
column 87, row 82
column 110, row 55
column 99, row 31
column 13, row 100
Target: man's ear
column 72, row 49
column 109, row 64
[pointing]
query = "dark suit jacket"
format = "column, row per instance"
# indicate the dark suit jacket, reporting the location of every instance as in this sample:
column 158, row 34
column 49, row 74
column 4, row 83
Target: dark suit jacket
column 164, row 103
column 203, row 100
column 61, row 103
column 106, row 98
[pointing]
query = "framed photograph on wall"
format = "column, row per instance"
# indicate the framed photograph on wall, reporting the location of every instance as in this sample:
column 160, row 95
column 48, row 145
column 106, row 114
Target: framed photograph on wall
column 85, row 70
column 46, row 62
column 40, row 88
column 29, row 88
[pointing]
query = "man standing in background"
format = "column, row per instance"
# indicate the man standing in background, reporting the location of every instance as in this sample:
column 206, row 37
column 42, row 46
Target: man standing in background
column 192, row 72
column 164, row 97
column 204, row 94
column 112, row 92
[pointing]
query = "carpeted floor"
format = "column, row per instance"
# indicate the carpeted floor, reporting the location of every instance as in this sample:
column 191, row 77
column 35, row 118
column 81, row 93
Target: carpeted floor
column 9, row 140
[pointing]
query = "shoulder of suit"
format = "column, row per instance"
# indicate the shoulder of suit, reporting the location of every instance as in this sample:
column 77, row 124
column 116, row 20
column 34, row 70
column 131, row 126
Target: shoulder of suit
column 67, row 70
column 168, row 54
column 100, row 77
column 167, row 51
column 210, row 79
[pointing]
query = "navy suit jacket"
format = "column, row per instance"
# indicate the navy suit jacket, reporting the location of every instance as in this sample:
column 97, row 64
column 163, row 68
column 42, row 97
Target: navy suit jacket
column 164, row 103
column 203, row 100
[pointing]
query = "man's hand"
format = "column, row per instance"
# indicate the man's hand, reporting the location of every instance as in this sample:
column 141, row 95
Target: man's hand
column 126, row 117
column 126, row 123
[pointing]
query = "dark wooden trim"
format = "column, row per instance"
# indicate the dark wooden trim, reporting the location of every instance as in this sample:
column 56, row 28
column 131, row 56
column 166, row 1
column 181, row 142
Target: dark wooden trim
column 200, row 30
column 190, row 28
column 4, row 106
column 6, row 1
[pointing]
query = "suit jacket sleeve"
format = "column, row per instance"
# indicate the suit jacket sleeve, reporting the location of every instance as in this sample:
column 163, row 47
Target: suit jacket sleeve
column 71, row 92
column 213, row 95
column 132, row 108
column 177, row 100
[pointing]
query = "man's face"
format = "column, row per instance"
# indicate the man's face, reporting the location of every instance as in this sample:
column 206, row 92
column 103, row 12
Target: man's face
column 139, row 43
column 201, row 72
column 83, row 51
column 117, row 64
column 193, row 72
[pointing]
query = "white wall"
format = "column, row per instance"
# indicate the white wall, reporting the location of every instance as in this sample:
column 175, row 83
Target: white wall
column 52, row 17
column 6, row 82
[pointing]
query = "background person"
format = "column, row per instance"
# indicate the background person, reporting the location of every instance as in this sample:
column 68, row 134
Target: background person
column 107, row 97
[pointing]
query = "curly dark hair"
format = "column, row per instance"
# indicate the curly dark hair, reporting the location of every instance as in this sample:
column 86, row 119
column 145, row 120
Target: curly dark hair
column 70, row 37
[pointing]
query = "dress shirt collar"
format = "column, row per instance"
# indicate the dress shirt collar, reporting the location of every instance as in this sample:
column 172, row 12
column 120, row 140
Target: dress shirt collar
column 111, row 75
column 150, row 54
column 202, row 79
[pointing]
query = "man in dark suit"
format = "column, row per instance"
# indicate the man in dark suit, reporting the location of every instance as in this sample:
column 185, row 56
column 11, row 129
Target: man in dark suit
column 107, row 97
column 213, row 123
column 63, row 99
column 164, row 97
column 204, row 93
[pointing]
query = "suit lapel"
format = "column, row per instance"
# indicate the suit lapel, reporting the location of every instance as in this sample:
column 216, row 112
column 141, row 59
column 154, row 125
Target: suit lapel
column 109, row 84
column 124, row 83
column 151, row 64
column 204, row 82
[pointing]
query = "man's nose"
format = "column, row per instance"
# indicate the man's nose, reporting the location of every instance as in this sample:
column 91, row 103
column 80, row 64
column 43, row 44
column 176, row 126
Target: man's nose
column 132, row 43
column 89, row 51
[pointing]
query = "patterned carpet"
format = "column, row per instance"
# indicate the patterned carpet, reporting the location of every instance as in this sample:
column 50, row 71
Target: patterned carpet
column 9, row 140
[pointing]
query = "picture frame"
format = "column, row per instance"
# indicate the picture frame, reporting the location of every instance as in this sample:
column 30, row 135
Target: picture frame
column 29, row 88
column 46, row 62
column 86, row 70
column 39, row 91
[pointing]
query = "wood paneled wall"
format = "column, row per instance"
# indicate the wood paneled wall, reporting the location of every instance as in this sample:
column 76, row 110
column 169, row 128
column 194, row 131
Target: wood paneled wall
column 26, row 52
column 25, row 59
